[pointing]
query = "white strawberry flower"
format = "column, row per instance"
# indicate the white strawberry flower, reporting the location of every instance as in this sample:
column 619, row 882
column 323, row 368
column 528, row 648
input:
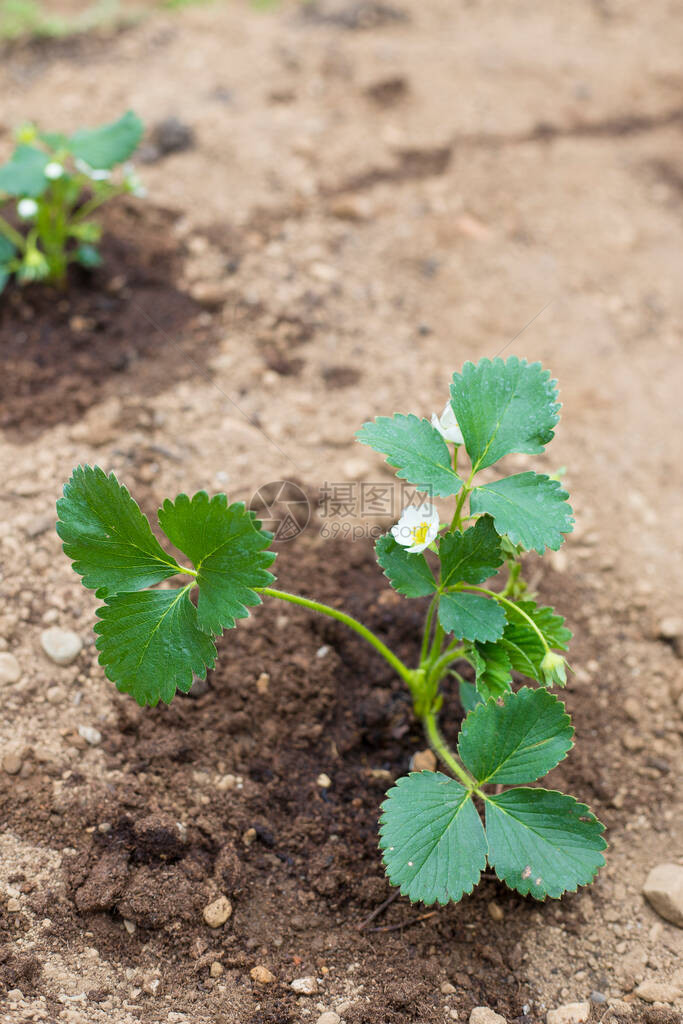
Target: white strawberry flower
column 27, row 208
column 417, row 527
column 447, row 425
column 53, row 170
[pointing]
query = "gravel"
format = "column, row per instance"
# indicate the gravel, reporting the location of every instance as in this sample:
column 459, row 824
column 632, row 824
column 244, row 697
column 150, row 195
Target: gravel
column 61, row 645
column 218, row 912
column 10, row 670
column 663, row 889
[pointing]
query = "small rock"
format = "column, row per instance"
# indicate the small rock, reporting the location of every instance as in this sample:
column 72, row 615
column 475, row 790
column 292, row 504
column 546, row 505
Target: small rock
column 670, row 628
column 262, row 975
column 653, row 991
column 633, row 708
column 10, row 670
column 15, row 994
column 129, row 926
column 262, row 684
column 216, row 969
column 423, row 761
column 570, row 1013
column 304, row 986
column 54, row 695
column 13, row 906
column 663, row 890
column 496, row 912
column 447, row 989
column 329, row 1017
column 150, row 984
column 484, row 1015
column 598, row 997
column 249, row 836
column 324, row 781
column 211, row 294
column 90, row 734
column 11, row 763
column 218, row 912
column 61, row 645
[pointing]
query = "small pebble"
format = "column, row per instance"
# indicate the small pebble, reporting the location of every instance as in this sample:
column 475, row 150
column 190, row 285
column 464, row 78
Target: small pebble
column 262, row 975
column 218, row 912
column 216, row 969
column 304, row 986
column 249, row 836
column 324, row 781
column 496, row 912
column 423, row 761
column 485, row 1015
column 329, row 1017
column 663, row 889
column 13, row 906
column 90, row 734
column 129, row 926
column 54, row 694
column 10, row 669
column 61, row 645
column 262, row 684
column 598, row 997
column 11, row 763
column 447, row 989
column 569, row 1013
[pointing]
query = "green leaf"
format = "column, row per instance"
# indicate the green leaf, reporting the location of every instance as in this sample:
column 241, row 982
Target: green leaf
column 492, row 666
column 472, row 556
column 107, row 536
column 523, row 645
column 431, row 837
column 543, row 842
column 520, row 740
column 7, row 250
column 471, row 617
column 530, row 508
column 408, row 573
column 503, row 407
column 102, row 148
column 416, row 449
column 54, row 140
column 150, row 644
column 469, row 698
column 226, row 545
column 24, row 173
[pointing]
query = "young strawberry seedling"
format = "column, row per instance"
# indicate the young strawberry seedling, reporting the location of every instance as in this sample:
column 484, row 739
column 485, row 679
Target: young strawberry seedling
column 433, row 839
column 56, row 183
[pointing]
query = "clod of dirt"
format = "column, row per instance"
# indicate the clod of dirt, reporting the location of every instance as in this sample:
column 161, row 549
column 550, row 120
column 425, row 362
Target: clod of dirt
column 105, row 883
column 228, row 870
column 168, row 136
column 354, row 16
column 484, row 1015
column 159, row 837
column 262, row 975
column 217, row 912
column 18, row 970
column 156, row 895
column 387, row 92
column 570, row 1013
column 10, row 670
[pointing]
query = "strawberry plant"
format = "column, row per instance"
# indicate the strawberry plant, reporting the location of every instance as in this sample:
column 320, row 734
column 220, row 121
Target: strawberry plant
column 438, row 830
column 56, row 183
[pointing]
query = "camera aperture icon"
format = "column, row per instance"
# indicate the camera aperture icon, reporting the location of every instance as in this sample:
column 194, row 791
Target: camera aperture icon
column 283, row 508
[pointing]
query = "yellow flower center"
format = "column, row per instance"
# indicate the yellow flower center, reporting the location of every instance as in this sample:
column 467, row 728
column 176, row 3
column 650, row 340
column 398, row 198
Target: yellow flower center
column 420, row 533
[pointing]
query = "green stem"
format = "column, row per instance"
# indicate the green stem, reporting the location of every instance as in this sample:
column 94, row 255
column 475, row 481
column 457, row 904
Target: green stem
column 462, row 498
column 450, row 655
column 509, row 604
column 12, row 235
column 441, row 748
column 428, row 629
column 405, row 673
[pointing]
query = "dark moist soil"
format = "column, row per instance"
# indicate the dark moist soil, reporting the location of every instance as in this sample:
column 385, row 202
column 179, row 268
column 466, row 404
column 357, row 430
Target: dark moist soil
column 63, row 351
column 299, row 862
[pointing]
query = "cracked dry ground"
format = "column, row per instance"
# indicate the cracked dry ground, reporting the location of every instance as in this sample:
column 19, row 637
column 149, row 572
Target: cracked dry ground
column 364, row 209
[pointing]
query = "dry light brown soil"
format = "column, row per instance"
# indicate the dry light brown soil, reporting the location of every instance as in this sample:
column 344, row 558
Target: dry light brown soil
column 376, row 193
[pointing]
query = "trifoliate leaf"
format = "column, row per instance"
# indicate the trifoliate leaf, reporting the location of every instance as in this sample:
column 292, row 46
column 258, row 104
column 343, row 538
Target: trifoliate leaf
column 226, row 545
column 24, row 173
column 472, row 556
column 104, row 147
column 503, row 407
column 408, row 573
column 469, row 698
column 431, row 838
column 521, row 642
column 108, row 537
column 416, row 449
column 492, row 666
column 150, row 644
column 543, row 842
column 471, row 617
column 520, row 740
column 529, row 507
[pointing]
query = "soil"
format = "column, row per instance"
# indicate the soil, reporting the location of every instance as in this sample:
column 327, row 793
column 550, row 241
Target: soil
column 377, row 192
